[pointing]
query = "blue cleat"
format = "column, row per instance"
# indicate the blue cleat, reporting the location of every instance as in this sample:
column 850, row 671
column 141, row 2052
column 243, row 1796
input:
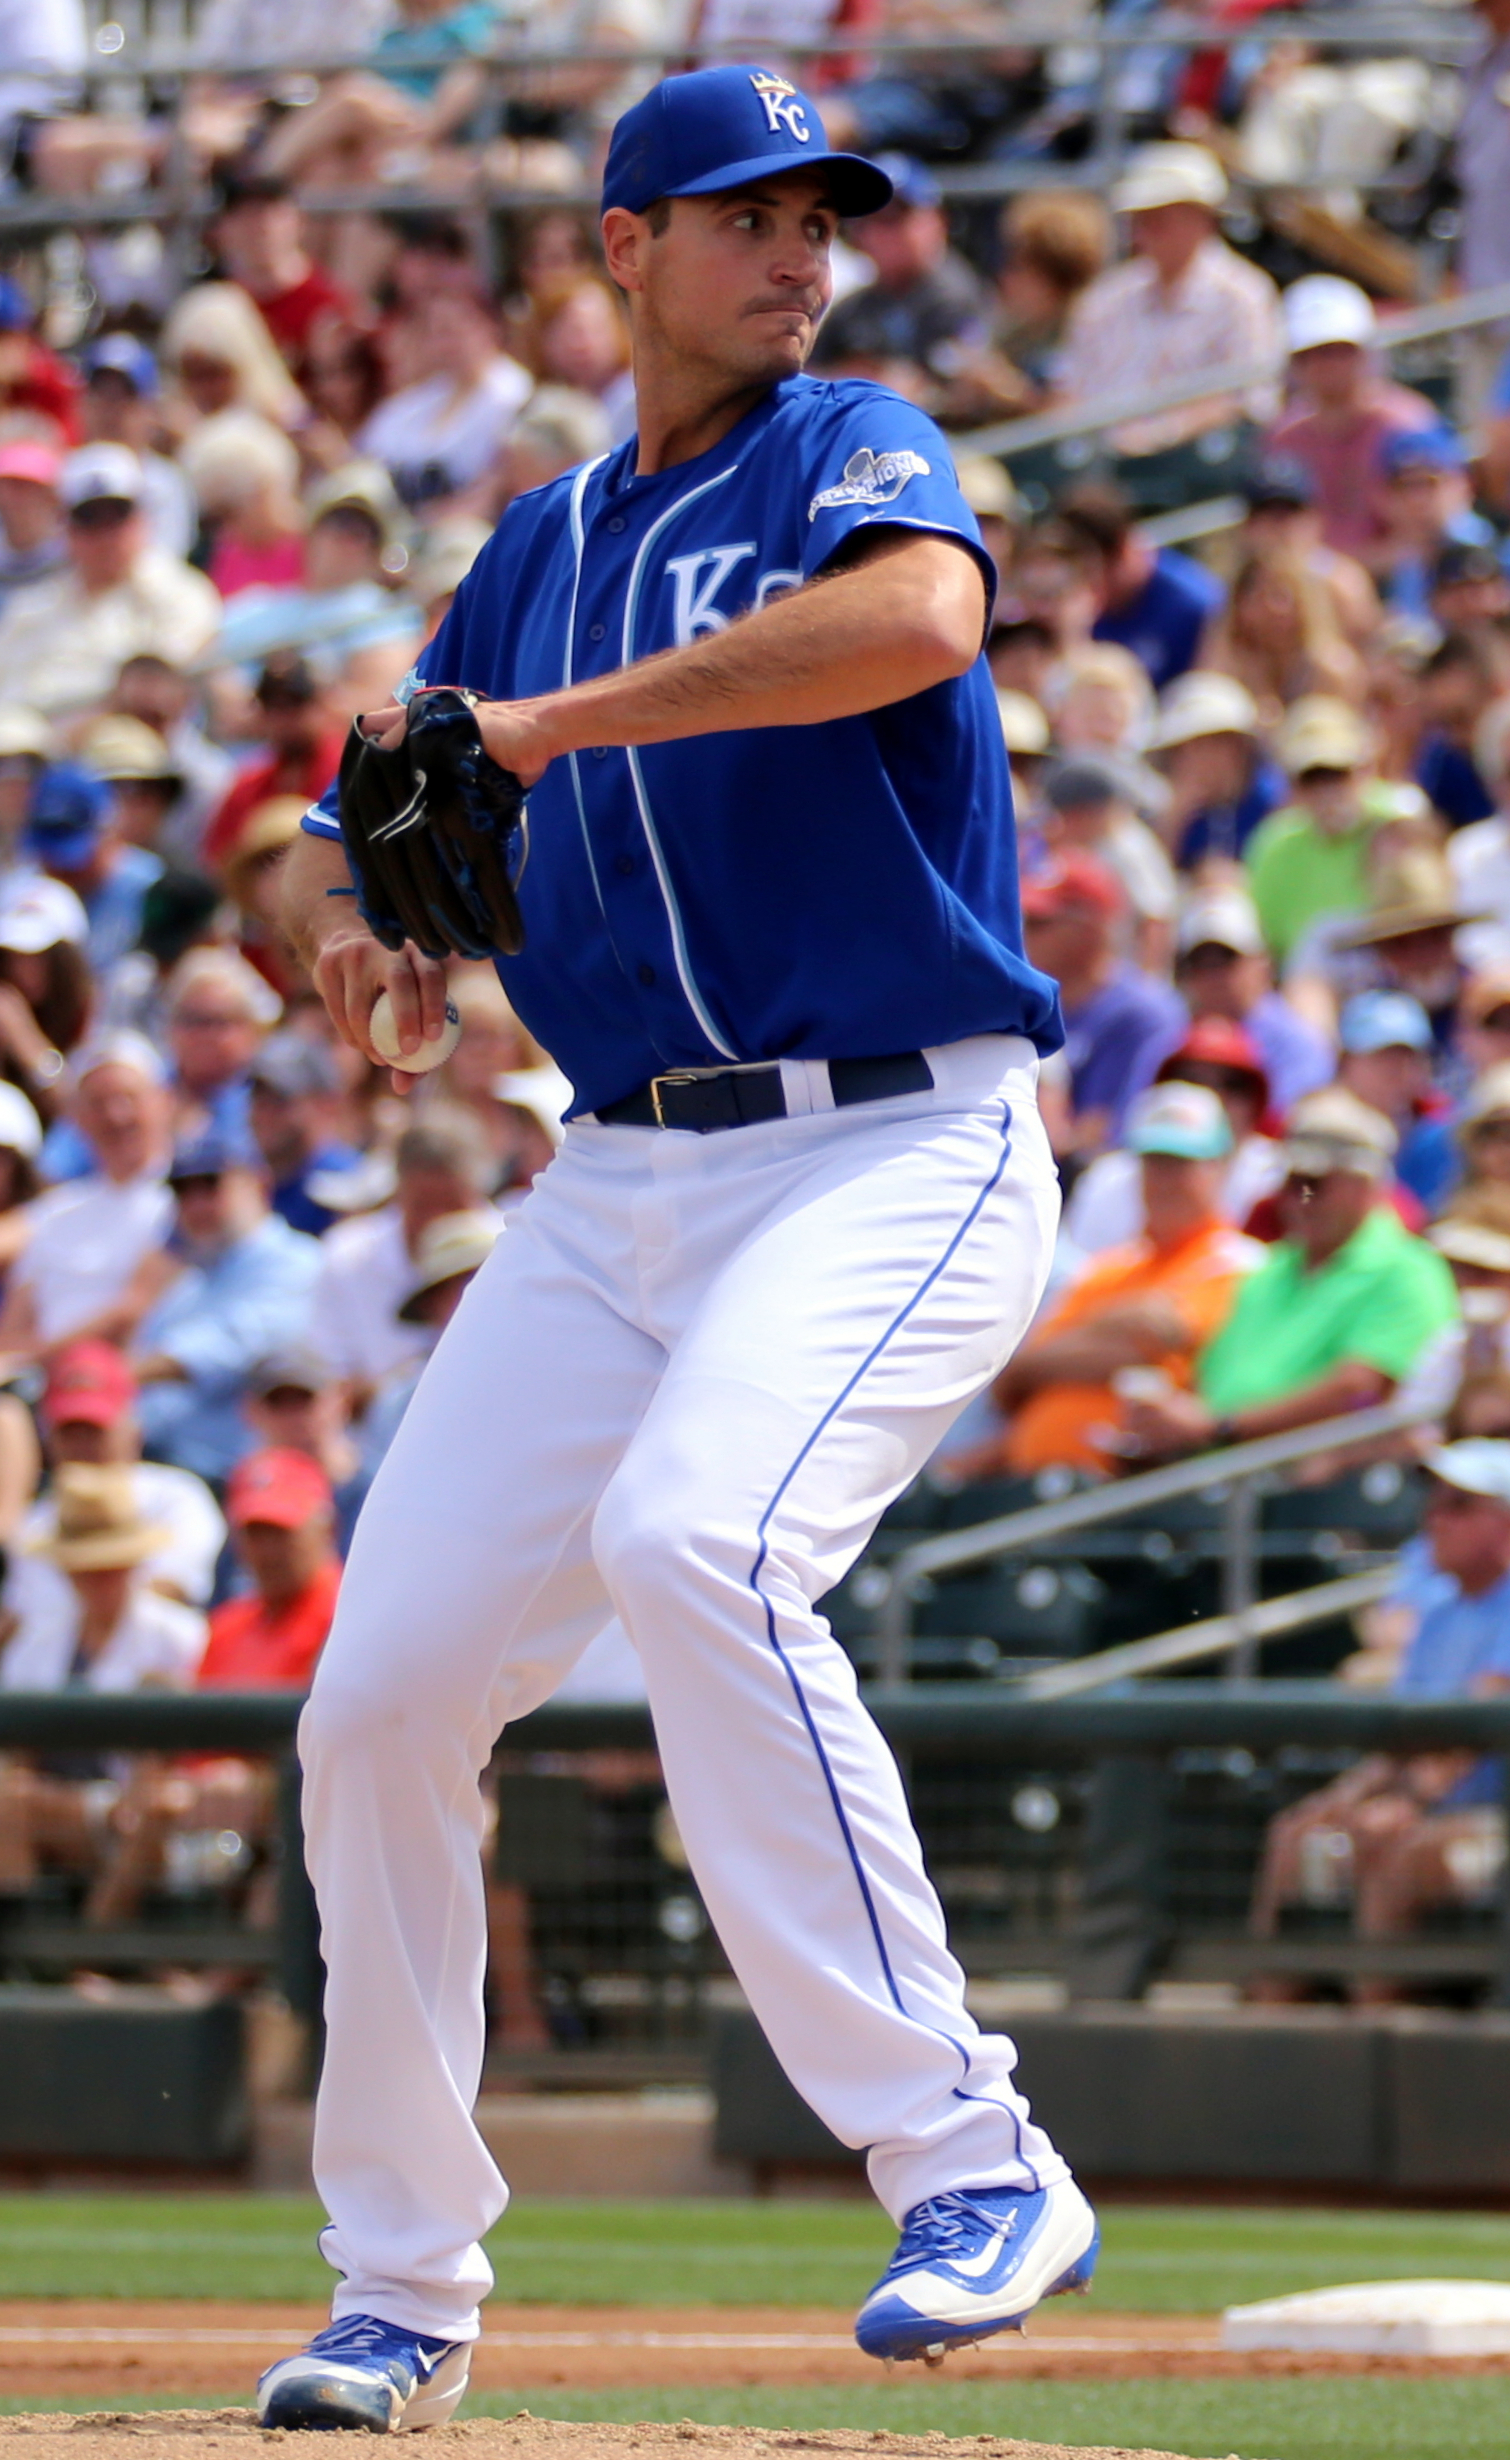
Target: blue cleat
column 974, row 2262
column 366, row 2376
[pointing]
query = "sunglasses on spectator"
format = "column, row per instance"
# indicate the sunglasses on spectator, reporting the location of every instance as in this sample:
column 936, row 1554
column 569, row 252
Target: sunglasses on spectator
column 1220, row 1080
column 197, row 1183
column 102, row 512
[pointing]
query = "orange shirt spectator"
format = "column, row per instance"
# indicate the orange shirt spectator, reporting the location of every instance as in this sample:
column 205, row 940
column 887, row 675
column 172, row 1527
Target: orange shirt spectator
column 1148, row 1306
column 281, row 1514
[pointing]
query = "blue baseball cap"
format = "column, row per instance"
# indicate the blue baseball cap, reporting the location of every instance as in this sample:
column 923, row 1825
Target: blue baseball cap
column 1423, row 448
column 121, row 354
column 1384, row 1021
column 718, row 128
column 68, row 811
column 210, row 1154
column 17, row 315
column 912, row 183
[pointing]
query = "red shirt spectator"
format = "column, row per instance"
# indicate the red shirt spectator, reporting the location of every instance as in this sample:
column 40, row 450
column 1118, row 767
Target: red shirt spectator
column 304, row 752
column 281, row 1514
column 31, row 376
column 260, row 241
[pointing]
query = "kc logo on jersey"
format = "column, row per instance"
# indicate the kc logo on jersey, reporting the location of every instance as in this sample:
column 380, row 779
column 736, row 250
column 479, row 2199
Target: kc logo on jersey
column 870, row 478
column 783, row 106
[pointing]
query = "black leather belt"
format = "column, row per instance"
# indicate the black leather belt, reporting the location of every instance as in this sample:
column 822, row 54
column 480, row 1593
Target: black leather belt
column 701, row 1101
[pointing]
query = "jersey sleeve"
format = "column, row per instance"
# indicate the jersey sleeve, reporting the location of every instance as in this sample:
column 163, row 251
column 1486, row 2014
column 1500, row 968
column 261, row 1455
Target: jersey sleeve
column 880, row 464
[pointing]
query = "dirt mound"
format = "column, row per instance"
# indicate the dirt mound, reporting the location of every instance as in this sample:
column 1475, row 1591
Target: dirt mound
column 161, row 2435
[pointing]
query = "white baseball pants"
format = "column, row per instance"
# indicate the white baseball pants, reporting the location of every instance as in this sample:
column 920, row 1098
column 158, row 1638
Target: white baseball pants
column 692, row 1375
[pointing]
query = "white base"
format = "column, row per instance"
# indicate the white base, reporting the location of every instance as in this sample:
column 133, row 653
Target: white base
column 1380, row 2318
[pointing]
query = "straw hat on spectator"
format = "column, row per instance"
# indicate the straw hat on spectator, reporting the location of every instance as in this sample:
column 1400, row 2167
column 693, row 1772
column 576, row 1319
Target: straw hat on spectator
column 99, row 1527
column 986, row 488
column 1024, row 728
column 1170, row 174
column 125, row 752
column 1474, row 1243
column 1414, row 893
column 359, row 486
column 1320, row 732
column 266, row 830
column 441, row 565
column 455, row 1245
column 1203, row 703
column 1333, row 1130
column 230, row 458
column 1489, row 1099
column 25, row 733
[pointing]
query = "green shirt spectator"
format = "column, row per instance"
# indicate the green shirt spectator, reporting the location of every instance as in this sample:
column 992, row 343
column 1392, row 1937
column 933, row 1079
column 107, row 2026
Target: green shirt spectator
column 1378, row 1300
column 1336, row 1316
column 1310, row 858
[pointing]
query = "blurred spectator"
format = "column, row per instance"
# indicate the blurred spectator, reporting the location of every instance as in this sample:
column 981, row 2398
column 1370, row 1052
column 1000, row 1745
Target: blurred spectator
column 1053, row 247
column 88, row 1414
column 122, row 390
column 451, row 1252
column 145, row 783
column 1100, row 700
column 1428, row 505
column 1183, row 304
column 87, row 1237
column 1469, row 593
column 1484, row 1132
column 493, row 1045
column 444, row 1166
column 217, row 346
column 241, row 1284
column 1282, row 519
column 357, row 633
column 1106, row 1205
column 344, row 380
column 158, row 695
column 1480, row 166
column 1279, row 636
column 1133, row 1320
column 20, row 1177
column 1087, row 809
column 1479, row 857
column 295, row 1404
column 1154, row 601
column 46, row 992
column 107, row 1631
column 1408, row 936
column 556, row 430
column 1457, row 687
column 75, row 836
column 258, row 236
column 1208, row 744
column 218, row 1010
column 1474, row 1236
column 1339, row 1310
column 1116, row 1018
column 252, row 883
column 1309, row 858
column 437, row 572
column 924, row 304
column 281, row 1513
column 296, row 1110
column 440, row 435
column 245, row 476
column 27, row 744
column 1386, row 1061
column 32, row 541
column 1025, row 732
column 63, row 639
column 303, row 749
column 1347, row 411
column 1222, row 972
column 1484, row 1020
column 582, row 347
column 1397, row 1836
column 33, row 379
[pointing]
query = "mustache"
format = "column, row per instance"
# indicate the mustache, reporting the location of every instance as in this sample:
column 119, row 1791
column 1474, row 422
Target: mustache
column 803, row 303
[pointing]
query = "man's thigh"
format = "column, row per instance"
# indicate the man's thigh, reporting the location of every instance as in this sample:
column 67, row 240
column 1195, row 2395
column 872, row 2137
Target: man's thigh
column 470, row 1586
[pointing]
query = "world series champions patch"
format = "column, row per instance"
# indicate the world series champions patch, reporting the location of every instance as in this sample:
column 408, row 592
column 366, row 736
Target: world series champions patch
column 870, row 478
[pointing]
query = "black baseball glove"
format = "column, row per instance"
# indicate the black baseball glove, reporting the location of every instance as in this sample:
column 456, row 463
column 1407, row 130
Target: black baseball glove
column 435, row 832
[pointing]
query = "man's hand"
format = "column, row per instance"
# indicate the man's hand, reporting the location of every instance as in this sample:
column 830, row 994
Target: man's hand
column 517, row 733
column 1170, row 1425
column 348, row 966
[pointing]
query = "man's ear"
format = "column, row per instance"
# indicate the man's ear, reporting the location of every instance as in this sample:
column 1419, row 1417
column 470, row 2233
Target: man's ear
column 625, row 239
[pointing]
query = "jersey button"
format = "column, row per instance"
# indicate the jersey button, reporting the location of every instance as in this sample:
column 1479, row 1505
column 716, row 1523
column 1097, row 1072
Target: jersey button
column 595, row 632
column 646, row 974
column 600, row 751
column 624, row 866
column 616, row 523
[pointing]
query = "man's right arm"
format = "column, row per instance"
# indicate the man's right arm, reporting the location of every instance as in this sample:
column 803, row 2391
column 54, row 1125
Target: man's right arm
column 348, row 965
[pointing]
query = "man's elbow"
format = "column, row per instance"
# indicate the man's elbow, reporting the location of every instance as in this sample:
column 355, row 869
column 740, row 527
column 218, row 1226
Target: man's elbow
column 945, row 626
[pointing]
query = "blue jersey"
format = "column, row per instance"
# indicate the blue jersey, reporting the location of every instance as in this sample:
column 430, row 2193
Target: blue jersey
column 837, row 891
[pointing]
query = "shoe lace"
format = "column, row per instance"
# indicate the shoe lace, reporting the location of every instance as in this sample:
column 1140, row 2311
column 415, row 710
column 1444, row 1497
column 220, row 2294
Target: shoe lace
column 943, row 2227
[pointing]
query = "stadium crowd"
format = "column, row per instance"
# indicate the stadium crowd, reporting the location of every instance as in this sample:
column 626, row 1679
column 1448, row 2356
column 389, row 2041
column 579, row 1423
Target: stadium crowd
column 1263, row 785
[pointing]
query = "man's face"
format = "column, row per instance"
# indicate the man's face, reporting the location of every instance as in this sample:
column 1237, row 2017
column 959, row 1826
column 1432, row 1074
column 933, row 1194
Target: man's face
column 212, row 1036
column 286, row 1126
column 283, row 1561
column 1218, row 981
column 83, row 1439
column 28, row 512
column 1332, row 374
column 1169, row 235
column 1389, row 1080
column 734, row 284
column 290, row 1419
column 1423, row 963
column 123, row 1117
column 1066, row 943
column 903, row 242
column 1321, row 1213
column 114, row 412
column 105, row 538
column 1330, row 797
column 425, row 1196
column 255, row 237
column 1469, row 1535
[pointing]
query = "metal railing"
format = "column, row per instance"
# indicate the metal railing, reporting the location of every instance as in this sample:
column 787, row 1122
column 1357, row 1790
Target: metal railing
column 1233, row 1474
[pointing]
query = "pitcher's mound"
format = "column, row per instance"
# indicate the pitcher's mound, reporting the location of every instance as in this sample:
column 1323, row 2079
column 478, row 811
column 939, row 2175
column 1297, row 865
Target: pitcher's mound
column 162, row 2434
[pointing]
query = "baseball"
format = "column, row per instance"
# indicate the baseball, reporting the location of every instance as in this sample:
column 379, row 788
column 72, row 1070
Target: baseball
column 383, row 1030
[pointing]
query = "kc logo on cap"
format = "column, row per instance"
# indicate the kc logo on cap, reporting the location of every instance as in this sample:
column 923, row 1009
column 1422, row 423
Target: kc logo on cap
column 784, row 106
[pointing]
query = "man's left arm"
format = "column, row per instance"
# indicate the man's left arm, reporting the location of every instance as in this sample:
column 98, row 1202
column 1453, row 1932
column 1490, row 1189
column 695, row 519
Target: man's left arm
column 904, row 612
column 1180, row 1422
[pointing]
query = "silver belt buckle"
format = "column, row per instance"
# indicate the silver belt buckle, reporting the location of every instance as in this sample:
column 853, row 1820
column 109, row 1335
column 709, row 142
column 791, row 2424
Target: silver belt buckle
column 672, row 1076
